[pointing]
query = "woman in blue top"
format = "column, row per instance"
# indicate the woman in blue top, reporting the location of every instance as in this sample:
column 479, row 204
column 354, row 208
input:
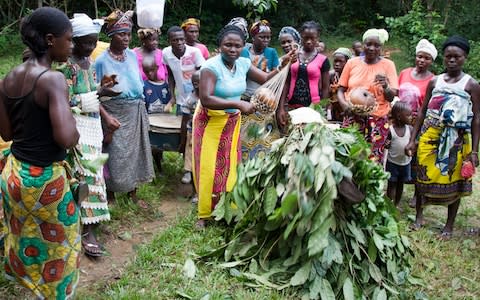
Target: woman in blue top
column 130, row 158
column 216, row 122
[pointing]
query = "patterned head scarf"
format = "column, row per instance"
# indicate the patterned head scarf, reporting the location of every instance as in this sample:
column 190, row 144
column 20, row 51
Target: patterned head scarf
column 382, row 34
column 344, row 51
column 119, row 21
column 240, row 23
column 146, row 32
column 83, row 25
column 427, row 47
column 458, row 41
column 291, row 31
column 259, row 27
column 190, row 22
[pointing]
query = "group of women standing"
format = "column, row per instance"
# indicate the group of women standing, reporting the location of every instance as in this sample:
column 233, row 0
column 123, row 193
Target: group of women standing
column 46, row 199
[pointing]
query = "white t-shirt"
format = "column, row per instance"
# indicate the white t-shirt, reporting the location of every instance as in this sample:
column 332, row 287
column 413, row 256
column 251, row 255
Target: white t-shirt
column 396, row 152
column 183, row 69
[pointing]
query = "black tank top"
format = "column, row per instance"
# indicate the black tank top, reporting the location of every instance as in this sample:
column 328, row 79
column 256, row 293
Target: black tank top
column 32, row 130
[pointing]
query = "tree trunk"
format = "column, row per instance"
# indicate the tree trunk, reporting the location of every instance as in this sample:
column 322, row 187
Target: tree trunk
column 96, row 8
column 39, row 3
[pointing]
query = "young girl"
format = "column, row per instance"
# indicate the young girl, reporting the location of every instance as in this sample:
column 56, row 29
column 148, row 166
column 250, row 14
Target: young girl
column 308, row 80
column 398, row 162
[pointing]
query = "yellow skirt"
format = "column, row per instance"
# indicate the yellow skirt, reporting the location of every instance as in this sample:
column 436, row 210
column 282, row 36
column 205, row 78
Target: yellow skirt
column 216, row 153
column 436, row 187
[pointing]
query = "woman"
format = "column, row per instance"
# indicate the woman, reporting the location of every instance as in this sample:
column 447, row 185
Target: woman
column 87, row 111
column 308, row 79
column 448, row 126
column 379, row 76
column 42, row 244
column 412, row 86
column 191, row 27
column 289, row 39
column 258, row 130
column 130, row 158
column 216, row 122
column 150, row 51
column 340, row 58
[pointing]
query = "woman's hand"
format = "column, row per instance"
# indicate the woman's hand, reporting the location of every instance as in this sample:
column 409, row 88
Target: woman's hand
column 246, row 107
column 381, row 79
column 282, row 117
column 111, row 123
column 410, row 149
column 107, row 91
column 474, row 158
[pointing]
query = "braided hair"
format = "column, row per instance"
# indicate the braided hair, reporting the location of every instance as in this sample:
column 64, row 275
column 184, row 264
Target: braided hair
column 310, row 25
column 43, row 21
column 227, row 30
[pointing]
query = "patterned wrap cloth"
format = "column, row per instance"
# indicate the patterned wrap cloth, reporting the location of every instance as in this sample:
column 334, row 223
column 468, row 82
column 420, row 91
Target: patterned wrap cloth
column 43, row 243
column 445, row 141
column 119, row 21
column 87, row 159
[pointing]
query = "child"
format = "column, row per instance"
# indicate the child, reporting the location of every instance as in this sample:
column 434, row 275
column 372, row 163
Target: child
column 398, row 162
column 156, row 92
column 190, row 104
column 357, row 48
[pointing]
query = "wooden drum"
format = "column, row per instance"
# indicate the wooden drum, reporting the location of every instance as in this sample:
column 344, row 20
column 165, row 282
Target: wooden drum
column 165, row 131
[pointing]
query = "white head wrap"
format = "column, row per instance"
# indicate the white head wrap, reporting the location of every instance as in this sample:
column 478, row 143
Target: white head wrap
column 83, row 25
column 427, row 47
column 382, row 34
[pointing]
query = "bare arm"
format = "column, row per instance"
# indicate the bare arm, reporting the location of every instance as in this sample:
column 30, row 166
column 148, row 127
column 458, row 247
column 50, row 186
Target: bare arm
column 210, row 101
column 259, row 76
column 410, row 148
column 5, row 126
column 64, row 128
column 474, row 89
column 324, row 85
column 341, row 98
column 171, row 85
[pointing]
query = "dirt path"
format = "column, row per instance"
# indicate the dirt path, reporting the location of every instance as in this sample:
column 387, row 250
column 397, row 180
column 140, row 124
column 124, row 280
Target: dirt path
column 121, row 246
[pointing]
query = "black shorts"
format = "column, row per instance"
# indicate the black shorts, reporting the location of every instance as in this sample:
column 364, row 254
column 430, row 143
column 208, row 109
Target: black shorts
column 398, row 173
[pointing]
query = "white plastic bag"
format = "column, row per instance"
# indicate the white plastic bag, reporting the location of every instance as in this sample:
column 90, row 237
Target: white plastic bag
column 150, row 13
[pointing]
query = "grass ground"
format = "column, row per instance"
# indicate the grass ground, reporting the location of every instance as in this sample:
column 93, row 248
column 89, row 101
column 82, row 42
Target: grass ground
column 448, row 269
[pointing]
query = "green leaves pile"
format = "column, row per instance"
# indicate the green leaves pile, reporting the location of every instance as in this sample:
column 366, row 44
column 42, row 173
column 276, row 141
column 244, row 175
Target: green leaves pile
column 288, row 227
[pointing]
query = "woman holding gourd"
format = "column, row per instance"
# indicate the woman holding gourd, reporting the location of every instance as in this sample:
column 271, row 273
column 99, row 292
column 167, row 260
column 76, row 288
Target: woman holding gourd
column 378, row 76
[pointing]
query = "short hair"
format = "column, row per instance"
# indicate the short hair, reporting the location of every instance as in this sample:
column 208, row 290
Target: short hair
column 43, row 21
column 173, row 29
column 398, row 107
column 310, row 25
column 229, row 29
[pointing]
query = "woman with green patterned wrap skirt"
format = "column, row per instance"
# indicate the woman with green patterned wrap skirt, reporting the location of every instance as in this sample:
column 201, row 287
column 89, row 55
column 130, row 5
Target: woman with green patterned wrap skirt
column 42, row 242
column 87, row 159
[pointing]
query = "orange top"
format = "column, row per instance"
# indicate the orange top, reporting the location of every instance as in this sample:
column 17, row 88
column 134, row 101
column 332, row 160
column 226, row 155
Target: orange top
column 357, row 73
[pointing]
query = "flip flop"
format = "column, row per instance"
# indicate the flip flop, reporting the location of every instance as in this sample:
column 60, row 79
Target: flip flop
column 472, row 232
column 445, row 236
column 87, row 247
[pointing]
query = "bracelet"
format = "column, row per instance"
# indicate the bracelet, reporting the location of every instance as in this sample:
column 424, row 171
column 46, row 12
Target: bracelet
column 474, row 152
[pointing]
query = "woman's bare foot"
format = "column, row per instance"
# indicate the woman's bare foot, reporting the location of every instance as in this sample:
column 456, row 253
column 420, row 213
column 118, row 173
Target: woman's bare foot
column 201, row 224
column 139, row 202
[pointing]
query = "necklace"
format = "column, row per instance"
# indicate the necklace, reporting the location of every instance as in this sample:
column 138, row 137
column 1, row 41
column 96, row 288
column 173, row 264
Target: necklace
column 307, row 59
column 119, row 57
column 230, row 68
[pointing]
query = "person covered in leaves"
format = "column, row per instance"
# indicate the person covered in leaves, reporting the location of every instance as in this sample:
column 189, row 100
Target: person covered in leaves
column 87, row 158
column 191, row 27
column 42, row 244
column 130, row 158
column 216, row 122
column 378, row 75
column 448, row 126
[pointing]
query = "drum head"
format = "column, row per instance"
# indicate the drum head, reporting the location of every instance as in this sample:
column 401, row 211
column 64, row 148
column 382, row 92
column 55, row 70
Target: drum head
column 165, row 123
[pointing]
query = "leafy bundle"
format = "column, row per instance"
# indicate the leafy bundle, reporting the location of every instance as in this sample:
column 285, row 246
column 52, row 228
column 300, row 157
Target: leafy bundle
column 290, row 228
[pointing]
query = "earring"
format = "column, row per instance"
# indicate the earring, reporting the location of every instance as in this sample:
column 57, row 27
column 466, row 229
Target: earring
column 50, row 44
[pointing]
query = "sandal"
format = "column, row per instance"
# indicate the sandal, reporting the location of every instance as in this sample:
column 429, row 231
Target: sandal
column 93, row 250
column 445, row 235
column 416, row 226
column 201, row 224
column 142, row 204
column 472, row 232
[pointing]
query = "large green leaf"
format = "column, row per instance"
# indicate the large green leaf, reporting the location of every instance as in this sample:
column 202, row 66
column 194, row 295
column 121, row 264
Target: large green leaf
column 289, row 204
column 348, row 289
column 270, row 200
column 301, row 275
column 326, row 291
